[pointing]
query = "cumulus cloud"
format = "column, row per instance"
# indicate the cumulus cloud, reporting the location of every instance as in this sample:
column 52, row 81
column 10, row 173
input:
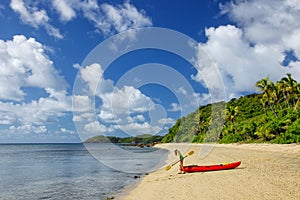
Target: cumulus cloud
column 118, row 108
column 240, row 64
column 117, row 100
column 24, row 63
column 126, row 100
column 265, row 22
column 93, row 76
column 253, row 49
column 26, row 69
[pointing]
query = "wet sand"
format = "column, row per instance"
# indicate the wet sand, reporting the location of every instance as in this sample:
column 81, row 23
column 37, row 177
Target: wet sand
column 267, row 171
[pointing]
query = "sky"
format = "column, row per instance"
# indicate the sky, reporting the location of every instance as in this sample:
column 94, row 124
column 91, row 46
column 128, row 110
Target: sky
column 72, row 69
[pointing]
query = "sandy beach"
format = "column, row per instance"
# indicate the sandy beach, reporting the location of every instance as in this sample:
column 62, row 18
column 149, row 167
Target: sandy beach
column 267, row 171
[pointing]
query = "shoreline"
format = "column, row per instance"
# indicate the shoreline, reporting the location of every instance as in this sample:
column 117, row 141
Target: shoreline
column 268, row 171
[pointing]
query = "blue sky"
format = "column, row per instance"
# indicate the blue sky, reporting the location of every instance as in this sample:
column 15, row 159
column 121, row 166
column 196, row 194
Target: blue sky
column 45, row 48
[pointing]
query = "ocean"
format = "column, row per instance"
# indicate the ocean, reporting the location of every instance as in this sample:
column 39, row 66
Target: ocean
column 72, row 171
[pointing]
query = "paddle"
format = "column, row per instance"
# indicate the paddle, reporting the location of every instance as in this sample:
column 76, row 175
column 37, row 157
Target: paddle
column 170, row 166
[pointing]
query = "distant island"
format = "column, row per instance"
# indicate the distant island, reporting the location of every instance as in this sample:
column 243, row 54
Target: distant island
column 270, row 116
column 139, row 140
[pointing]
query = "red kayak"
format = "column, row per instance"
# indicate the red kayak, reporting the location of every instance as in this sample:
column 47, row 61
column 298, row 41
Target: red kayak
column 223, row 166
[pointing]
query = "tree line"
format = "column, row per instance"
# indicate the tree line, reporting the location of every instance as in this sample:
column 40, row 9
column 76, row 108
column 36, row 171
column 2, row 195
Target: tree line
column 272, row 115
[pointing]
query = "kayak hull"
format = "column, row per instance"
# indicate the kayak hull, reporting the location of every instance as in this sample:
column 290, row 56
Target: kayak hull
column 205, row 168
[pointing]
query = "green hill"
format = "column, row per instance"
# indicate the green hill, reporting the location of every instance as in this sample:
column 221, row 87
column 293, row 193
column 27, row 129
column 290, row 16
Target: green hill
column 271, row 116
column 140, row 139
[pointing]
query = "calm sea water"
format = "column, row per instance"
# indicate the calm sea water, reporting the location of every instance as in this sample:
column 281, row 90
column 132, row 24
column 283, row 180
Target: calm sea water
column 65, row 171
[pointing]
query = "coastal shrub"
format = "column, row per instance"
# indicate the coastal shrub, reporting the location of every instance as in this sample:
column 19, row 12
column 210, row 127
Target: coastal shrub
column 287, row 138
column 231, row 138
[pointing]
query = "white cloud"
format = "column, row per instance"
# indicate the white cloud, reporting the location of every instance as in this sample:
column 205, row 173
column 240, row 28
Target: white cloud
column 44, row 110
column 181, row 90
column 119, row 108
column 264, row 21
column 107, row 18
column 126, row 100
column 137, row 118
column 122, row 17
column 30, row 15
column 82, row 108
column 93, row 76
column 81, row 103
column 169, row 121
column 65, row 9
column 33, row 16
column 108, row 117
column 292, row 41
column 254, row 49
column 52, row 31
column 140, row 118
column 112, row 19
column 24, row 63
column 27, row 129
column 25, row 69
column 174, row 107
column 83, row 117
column 95, row 128
column 65, row 131
column 114, row 100
column 76, row 65
column 115, row 103
column 240, row 64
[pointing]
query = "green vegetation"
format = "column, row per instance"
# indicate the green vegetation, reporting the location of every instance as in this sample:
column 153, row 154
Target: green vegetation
column 140, row 139
column 271, row 116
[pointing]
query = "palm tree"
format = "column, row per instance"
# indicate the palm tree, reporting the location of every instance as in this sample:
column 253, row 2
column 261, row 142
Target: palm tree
column 277, row 94
column 231, row 113
column 267, row 87
column 263, row 85
column 282, row 87
column 290, row 84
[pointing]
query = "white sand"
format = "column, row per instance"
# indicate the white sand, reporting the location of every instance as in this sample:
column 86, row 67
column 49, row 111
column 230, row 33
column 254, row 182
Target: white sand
column 268, row 171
